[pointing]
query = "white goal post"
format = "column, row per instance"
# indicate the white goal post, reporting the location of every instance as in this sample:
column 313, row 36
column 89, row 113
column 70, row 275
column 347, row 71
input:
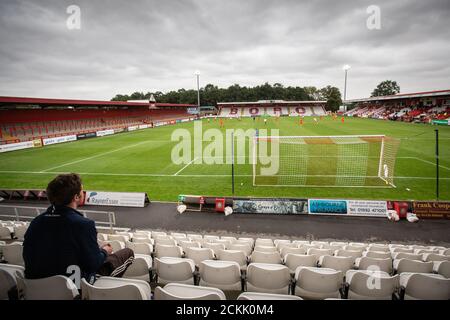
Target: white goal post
column 324, row 161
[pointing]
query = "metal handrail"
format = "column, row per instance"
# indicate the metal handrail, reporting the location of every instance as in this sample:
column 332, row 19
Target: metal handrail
column 110, row 215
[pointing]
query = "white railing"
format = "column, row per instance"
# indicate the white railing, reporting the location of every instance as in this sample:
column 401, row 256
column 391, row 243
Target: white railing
column 109, row 224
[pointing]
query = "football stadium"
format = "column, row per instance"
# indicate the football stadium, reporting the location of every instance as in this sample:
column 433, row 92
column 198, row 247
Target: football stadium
column 254, row 192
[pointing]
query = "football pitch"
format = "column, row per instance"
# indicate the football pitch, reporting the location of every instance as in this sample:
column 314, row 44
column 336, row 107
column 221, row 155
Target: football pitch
column 141, row 161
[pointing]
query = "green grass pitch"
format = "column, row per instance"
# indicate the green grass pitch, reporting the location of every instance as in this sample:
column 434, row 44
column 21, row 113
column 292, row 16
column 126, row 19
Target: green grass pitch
column 141, row 161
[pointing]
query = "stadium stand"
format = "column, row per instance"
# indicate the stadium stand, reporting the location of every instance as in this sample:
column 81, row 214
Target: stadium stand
column 184, row 272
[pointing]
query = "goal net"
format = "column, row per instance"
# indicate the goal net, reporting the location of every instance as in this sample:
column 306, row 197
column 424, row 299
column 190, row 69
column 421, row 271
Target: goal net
column 325, row 161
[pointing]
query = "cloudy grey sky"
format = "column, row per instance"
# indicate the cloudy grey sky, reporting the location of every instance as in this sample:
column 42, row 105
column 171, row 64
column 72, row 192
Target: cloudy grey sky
column 126, row 46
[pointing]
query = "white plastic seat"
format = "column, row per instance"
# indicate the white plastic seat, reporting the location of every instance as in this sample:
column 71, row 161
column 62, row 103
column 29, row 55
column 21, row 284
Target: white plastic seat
column 310, row 246
column 265, row 257
column 225, row 242
column 407, row 265
column 174, row 270
column 333, row 247
column 374, row 264
column 194, row 237
column 293, row 261
column 367, row 285
column 348, row 253
column 224, row 275
column 378, row 248
column 319, row 252
column 301, row 242
column 12, row 253
column 162, row 250
column 156, row 234
column 209, row 238
column 109, row 288
column 5, row 233
column 377, row 254
column 405, row 255
column 142, row 233
column 266, row 296
column 232, row 239
column 166, row 241
column 144, row 240
column 199, row 254
column 402, row 250
column 425, row 286
column 317, row 283
column 422, row 251
column 268, row 278
column 215, row 247
column 116, row 245
column 249, row 241
column 355, row 248
column 178, row 291
column 246, row 248
column 265, row 249
column 51, row 288
column 342, row 264
column 102, row 237
column 119, row 237
column 139, row 268
column 280, row 241
column 140, row 248
column 445, row 252
column 188, row 244
column 282, row 245
column 338, row 243
column 285, row 250
column 264, row 242
column 320, row 243
column 442, row 268
column 19, row 231
column 358, row 244
column 435, row 257
column 8, row 278
column 178, row 235
column 233, row 255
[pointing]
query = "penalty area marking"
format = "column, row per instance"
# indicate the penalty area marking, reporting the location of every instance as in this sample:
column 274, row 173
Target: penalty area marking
column 187, row 165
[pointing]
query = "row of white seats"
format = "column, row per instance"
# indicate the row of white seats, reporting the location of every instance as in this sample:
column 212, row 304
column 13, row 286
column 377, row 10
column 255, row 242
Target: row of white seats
column 310, row 283
column 13, row 230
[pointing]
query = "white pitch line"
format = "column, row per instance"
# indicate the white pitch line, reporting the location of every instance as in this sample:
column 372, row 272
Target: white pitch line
column 175, row 174
column 95, row 156
column 429, row 162
column 183, row 175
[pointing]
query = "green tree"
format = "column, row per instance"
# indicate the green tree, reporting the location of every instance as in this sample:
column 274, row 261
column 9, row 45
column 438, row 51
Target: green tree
column 333, row 97
column 386, row 88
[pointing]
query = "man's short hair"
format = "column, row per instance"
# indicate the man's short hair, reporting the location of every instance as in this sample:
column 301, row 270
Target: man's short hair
column 62, row 189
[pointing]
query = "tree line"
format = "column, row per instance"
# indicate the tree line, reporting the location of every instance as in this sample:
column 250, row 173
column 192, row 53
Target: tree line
column 210, row 95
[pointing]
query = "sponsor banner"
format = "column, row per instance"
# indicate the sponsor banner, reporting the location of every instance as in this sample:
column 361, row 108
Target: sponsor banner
column 192, row 110
column 143, row 126
column 367, row 208
column 132, row 128
column 432, row 209
column 117, row 199
column 118, row 130
column 158, row 124
column 16, row 146
column 442, row 122
column 271, row 206
column 37, row 143
column 56, row 140
column 185, row 120
column 107, row 132
column 86, row 135
column 327, row 206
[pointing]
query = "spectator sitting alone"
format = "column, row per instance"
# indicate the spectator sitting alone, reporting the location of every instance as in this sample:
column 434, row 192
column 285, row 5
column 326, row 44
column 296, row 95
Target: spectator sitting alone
column 62, row 237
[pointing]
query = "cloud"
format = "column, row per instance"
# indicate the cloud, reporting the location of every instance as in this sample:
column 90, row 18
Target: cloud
column 124, row 46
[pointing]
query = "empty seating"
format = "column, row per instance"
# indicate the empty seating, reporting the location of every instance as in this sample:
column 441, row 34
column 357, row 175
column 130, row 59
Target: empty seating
column 317, row 283
column 119, row 237
column 19, row 231
column 424, row 286
column 199, row 254
column 233, row 255
column 407, row 265
column 265, row 257
column 109, row 288
column 140, row 248
column 165, row 240
column 224, row 275
column 51, row 288
column 12, row 253
column 342, row 264
column 285, row 250
column 177, row 291
column 293, row 261
column 377, row 254
column 194, row 237
column 435, row 257
column 374, row 264
column 215, row 247
column 367, row 285
column 264, row 242
column 246, row 248
column 5, row 233
column 162, row 250
column 405, row 255
column 179, row 270
column 266, row 296
column 268, row 278
column 265, row 249
column 8, row 282
column 188, row 244
column 443, row 268
column 348, row 253
column 139, row 268
column 320, row 252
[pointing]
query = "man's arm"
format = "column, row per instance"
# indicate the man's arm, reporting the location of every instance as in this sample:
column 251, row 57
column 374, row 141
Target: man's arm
column 92, row 256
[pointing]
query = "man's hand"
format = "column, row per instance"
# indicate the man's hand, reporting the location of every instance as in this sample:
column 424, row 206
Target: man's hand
column 107, row 247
